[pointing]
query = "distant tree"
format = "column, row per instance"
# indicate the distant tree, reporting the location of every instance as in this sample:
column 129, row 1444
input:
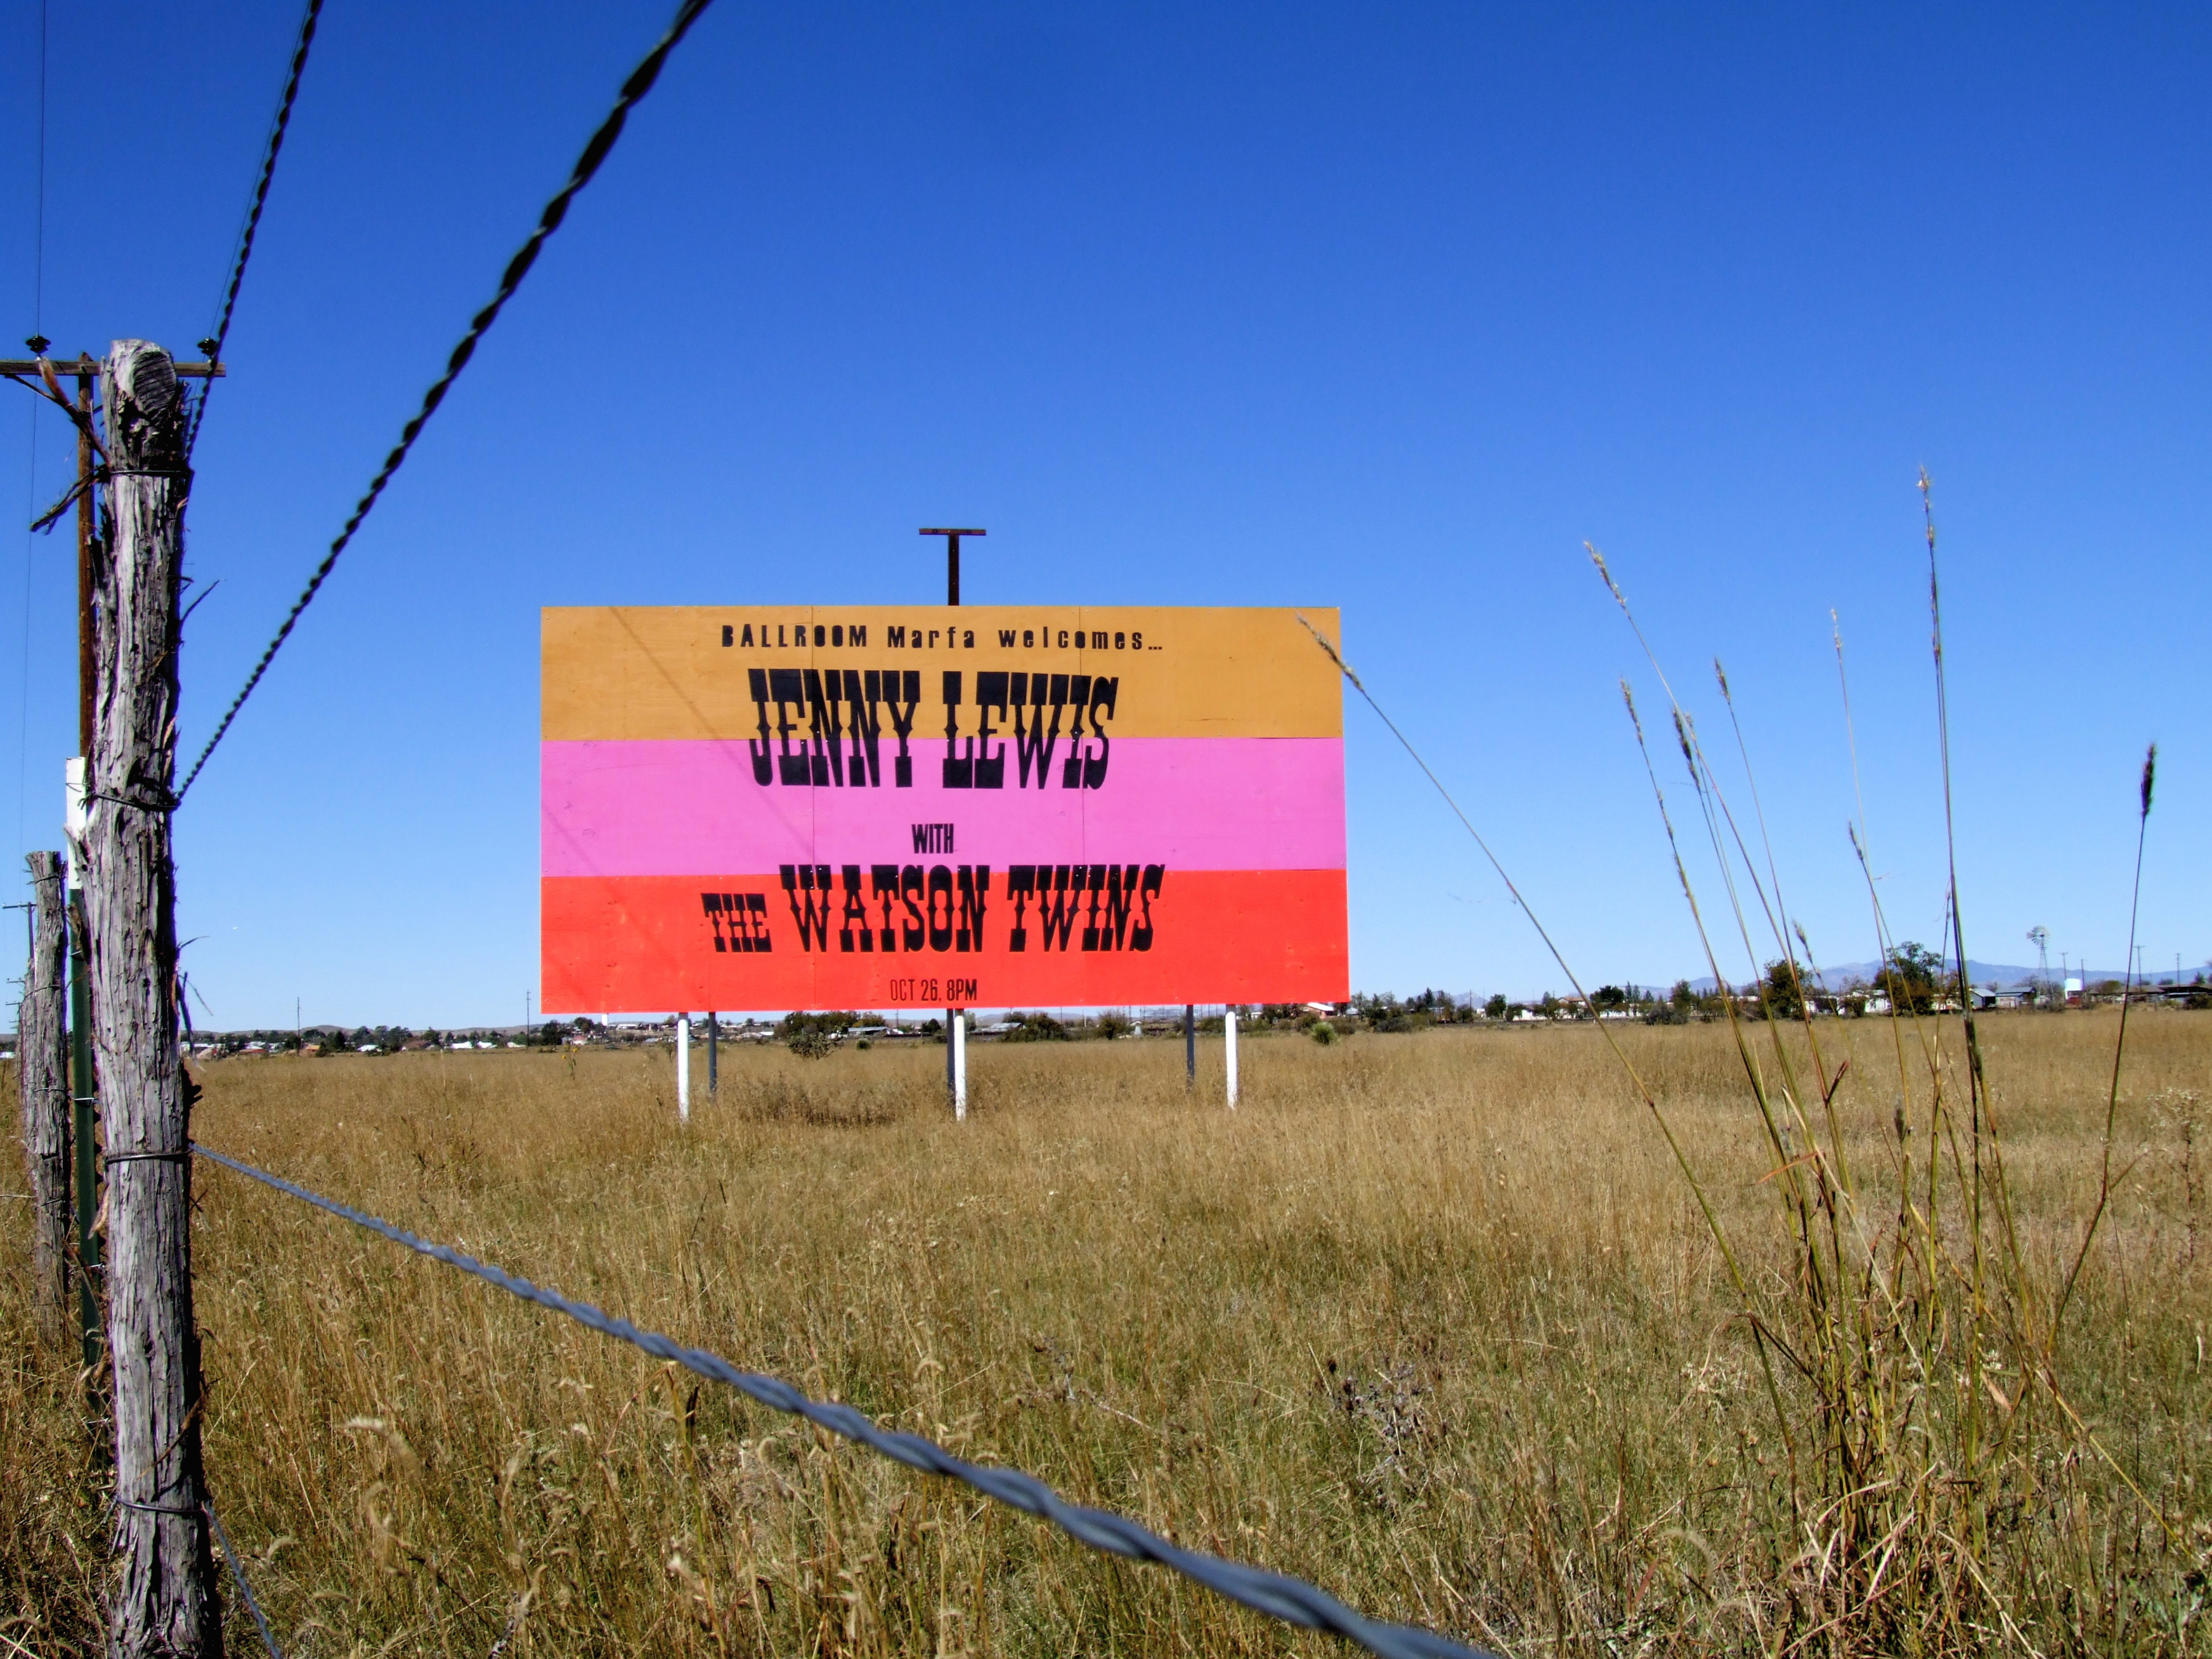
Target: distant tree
column 831, row 1022
column 1039, row 1027
column 1781, row 995
column 1497, row 1007
column 1548, row 1006
column 1609, row 997
column 1912, row 978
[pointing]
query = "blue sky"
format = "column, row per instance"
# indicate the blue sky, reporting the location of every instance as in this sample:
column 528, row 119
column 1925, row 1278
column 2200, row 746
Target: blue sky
column 1384, row 308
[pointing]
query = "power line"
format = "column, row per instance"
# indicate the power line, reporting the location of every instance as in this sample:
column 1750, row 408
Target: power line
column 1291, row 1600
column 588, row 165
column 213, row 344
column 38, row 332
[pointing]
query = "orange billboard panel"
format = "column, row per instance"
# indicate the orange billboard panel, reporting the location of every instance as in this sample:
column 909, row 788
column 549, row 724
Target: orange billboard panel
column 869, row 806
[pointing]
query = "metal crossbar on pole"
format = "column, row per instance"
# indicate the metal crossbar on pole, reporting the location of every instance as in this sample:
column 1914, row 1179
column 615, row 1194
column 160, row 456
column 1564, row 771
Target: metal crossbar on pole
column 1290, row 1600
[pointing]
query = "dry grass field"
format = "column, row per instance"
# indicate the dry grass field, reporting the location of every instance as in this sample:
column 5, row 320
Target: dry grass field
column 1434, row 1320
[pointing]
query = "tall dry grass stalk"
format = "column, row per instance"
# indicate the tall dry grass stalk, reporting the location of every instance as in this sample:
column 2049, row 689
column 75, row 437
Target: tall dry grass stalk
column 1911, row 1349
column 1432, row 1320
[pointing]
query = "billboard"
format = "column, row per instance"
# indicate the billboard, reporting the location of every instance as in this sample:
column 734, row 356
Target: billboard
column 876, row 806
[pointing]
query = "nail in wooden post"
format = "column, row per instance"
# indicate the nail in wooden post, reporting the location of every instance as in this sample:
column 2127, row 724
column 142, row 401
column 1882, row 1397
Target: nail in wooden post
column 164, row 1599
column 42, row 1074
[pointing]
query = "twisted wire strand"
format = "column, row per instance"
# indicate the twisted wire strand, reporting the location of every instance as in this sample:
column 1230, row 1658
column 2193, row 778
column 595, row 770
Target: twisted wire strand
column 1290, row 1600
column 237, row 1576
column 253, row 213
column 595, row 152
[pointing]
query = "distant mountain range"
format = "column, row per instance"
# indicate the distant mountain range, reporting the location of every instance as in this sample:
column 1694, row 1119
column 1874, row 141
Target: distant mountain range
column 1978, row 973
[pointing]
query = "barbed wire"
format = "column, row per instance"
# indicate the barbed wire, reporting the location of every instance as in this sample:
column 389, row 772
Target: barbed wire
column 1290, row 1600
column 595, row 152
column 214, row 344
column 237, row 1575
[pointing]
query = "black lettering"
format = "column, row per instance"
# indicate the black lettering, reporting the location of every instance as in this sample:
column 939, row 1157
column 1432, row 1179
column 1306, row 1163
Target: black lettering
column 884, row 883
column 1032, row 742
column 966, row 639
column 1021, row 884
column 821, row 635
column 806, row 889
column 959, row 769
column 1028, row 640
column 825, row 739
column 1005, row 639
column 990, row 768
column 786, row 689
column 975, row 888
column 902, row 685
column 1058, row 893
column 1096, row 886
column 756, row 906
column 711, row 903
column 894, row 637
column 1148, row 888
column 911, row 891
column 1079, row 698
column 1121, row 895
column 1103, row 693
column 862, row 695
column 854, row 912
column 748, row 636
column 940, row 881
column 1136, row 642
column 1063, row 638
column 857, row 634
column 729, row 634
column 761, row 748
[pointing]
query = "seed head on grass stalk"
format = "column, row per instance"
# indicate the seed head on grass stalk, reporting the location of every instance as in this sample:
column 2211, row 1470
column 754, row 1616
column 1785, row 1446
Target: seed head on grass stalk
column 1762, row 1335
column 2119, row 1046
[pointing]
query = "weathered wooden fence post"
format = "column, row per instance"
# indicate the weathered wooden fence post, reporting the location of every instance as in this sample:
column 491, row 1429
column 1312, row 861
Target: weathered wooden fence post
column 164, row 1599
column 42, row 1075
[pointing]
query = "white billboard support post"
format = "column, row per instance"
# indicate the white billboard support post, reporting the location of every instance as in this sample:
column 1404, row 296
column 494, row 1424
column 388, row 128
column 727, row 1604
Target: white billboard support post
column 683, row 1068
column 1229, row 1042
column 957, row 1038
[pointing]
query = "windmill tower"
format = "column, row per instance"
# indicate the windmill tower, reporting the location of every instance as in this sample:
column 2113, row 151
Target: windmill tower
column 2040, row 937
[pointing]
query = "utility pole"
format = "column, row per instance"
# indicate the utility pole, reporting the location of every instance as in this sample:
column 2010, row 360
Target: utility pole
column 41, row 373
column 956, row 1029
column 42, row 1074
column 165, row 1595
